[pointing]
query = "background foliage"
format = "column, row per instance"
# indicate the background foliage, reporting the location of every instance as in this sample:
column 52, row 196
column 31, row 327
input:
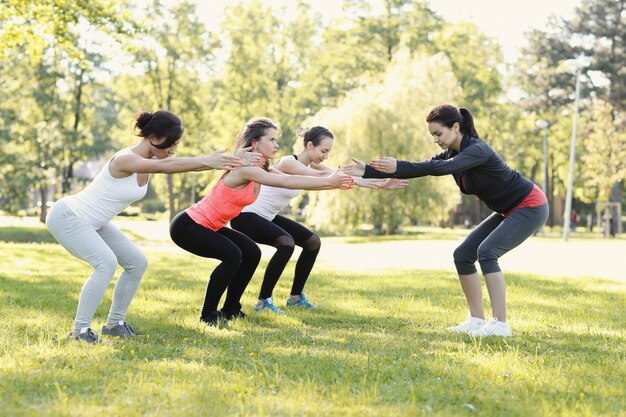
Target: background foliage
column 74, row 75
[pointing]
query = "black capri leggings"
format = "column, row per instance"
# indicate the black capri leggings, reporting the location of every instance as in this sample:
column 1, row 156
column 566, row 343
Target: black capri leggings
column 495, row 236
column 239, row 255
column 283, row 234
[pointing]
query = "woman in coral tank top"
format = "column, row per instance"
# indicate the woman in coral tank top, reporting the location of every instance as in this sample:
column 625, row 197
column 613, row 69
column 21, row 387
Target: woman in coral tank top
column 201, row 229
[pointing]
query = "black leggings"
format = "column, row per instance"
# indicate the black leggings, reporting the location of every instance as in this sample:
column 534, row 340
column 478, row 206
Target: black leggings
column 239, row 255
column 283, row 234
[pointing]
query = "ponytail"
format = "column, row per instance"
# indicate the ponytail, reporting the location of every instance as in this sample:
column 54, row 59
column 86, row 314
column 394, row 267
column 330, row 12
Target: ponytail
column 467, row 124
column 447, row 115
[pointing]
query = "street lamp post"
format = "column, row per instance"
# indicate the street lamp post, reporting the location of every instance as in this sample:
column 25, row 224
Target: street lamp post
column 579, row 64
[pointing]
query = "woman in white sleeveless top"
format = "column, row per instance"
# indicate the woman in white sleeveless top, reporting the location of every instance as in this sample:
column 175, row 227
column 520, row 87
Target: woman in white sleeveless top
column 82, row 222
column 261, row 222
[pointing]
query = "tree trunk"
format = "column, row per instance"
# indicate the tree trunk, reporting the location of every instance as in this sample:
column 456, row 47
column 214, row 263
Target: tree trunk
column 170, row 193
column 43, row 196
column 68, row 172
column 616, row 197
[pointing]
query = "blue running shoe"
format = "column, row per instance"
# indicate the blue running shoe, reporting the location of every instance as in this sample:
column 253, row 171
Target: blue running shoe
column 268, row 304
column 302, row 302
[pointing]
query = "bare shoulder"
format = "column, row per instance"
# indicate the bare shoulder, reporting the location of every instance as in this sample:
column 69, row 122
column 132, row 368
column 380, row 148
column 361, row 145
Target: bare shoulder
column 245, row 174
column 292, row 167
column 284, row 164
column 124, row 163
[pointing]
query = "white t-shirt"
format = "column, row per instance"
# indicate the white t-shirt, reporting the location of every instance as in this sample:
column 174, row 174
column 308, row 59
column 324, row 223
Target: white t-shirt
column 106, row 197
column 271, row 200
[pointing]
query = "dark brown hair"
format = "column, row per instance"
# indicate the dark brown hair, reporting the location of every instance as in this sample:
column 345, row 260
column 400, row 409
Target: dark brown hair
column 254, row 129
column 161, row 124
column 447, row 115
column 314, row 134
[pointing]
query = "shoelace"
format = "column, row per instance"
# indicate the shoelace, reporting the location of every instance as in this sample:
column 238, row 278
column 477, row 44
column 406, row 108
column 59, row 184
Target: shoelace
column 269, row 303
column 130, row 329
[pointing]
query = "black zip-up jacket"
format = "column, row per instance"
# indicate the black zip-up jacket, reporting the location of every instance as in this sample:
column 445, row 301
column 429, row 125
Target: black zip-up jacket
column 484, row 173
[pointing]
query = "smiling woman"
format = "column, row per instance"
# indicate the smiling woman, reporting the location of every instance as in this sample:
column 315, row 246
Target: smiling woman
column 82, row 222
column 262, row 222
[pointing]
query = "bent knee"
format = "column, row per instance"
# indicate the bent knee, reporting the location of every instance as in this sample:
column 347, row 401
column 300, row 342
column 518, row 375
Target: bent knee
column 462, row 255
column 487, row 253
column 106, row 265
column 285, row 241
column 312, row 244
column 141, row 263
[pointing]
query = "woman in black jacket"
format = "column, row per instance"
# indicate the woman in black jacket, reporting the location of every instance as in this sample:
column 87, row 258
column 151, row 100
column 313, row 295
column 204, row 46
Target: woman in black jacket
column 520, row 208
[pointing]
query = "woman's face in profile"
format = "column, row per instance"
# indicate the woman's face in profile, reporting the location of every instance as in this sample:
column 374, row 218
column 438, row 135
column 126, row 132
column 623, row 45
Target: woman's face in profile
column 444, row 136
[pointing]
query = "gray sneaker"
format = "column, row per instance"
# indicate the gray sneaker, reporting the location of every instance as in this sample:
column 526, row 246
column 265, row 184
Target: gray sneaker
column 122, row 329
column 86, row 335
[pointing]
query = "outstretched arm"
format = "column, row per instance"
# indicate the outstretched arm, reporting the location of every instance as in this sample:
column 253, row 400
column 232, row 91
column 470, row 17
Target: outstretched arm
column 290, row 166
column 360, row 169
column 444, row 163
column 293, row 167
column 277, row 179
column 132, row 163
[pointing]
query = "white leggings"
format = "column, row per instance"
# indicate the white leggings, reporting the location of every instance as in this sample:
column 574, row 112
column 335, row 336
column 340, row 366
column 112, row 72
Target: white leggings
column 103, row 249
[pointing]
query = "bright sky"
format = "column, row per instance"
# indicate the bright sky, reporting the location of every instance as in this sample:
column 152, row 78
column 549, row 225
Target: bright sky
column 506, row 20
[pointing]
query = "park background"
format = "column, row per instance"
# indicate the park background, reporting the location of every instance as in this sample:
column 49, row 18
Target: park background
column 74, row 75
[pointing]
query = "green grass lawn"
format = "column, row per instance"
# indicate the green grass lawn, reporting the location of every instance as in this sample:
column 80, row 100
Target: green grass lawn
column 377, row 346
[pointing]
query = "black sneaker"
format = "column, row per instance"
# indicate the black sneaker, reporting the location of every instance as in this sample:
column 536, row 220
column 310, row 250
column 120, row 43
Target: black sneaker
column 214, row 318
column 122, row 329
column 88, row 336
column 233, row 314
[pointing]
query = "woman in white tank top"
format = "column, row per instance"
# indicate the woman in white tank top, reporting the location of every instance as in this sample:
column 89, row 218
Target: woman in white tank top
column 82, row 222
column 261, row 222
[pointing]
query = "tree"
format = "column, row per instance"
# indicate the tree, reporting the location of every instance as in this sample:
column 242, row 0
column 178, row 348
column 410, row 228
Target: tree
column 604, row 152
column 597, row 31
column 387, row 118
column 358, row 47
column 267, row 56
column 173, row 54
column 54, row 23
column 33, row 133
column 46, row 41
column 474, row 58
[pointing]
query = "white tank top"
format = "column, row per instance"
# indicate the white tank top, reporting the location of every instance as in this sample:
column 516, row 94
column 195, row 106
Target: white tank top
column 106, row 197
column 271, row 200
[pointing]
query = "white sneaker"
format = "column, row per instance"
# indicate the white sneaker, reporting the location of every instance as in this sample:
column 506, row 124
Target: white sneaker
column 471, row 324
column 493, row 327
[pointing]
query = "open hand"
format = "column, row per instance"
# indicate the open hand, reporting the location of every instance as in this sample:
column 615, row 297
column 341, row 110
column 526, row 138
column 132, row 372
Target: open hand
column 220, row 161
column 248, row 158
column 357, row 168
column 375, row 183
column 341, row 180
column 385, row 164
column 395, row 184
